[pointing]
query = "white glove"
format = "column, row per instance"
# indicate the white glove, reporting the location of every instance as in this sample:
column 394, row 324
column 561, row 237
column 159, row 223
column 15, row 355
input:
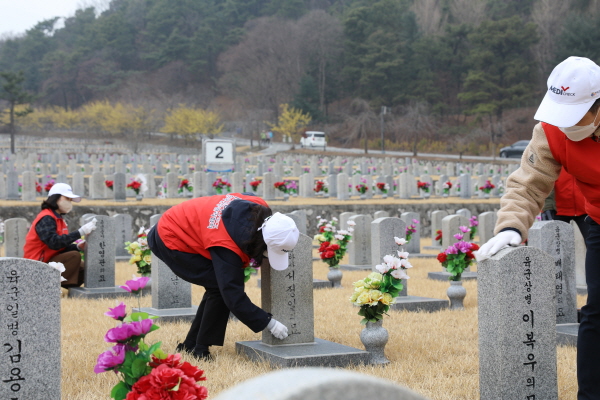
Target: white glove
column 498, row 242
column 87, row 228
column 277, row 329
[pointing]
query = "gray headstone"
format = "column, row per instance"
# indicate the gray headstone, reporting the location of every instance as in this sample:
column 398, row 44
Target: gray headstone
column 556, row 238
column 451, row 226
column 154, row 219
column 414, row 245
column 436, row 224
column 383, row 231
column 344, row 217
column 15, row 230
column 123, row 233
column 380, row 214
column 12, row 186
column 97, row 186
column 28, row 190
column 198, row 178
column 332, row 183
column 487, row 223
column 465, row 186
column 359, row 248
column 517, row 327
column 269, row 189
column 464, row 212
column 580, row 252
column 2, row 186
column 78, row 184
column 119, row 187
column 100, row 252
column 299, row 217
column 30, row 290
column 342, row 186
column 172, row 185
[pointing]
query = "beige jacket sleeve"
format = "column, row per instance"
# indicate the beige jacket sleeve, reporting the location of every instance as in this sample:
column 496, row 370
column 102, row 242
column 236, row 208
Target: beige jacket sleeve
column 528, row 186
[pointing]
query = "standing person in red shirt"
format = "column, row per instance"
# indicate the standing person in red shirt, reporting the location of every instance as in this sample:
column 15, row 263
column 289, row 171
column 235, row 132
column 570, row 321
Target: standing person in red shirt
column 208, row 241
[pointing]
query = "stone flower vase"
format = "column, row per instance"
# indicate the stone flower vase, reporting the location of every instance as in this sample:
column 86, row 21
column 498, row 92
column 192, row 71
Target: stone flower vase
column 335, row 277
column 426, row 194
column 286, row 196
column 374, row 337
column 456, row 293
column 486, row 195
column 139, row 197
column 363, row 196
column 384, row 196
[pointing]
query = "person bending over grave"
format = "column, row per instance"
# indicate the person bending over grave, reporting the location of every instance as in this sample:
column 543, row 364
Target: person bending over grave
column 49, row 239
column 568, row 137
column 208, row 241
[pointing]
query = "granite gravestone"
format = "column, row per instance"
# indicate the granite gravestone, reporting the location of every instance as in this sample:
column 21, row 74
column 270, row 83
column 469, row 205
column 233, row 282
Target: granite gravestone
column 413, row 219
column 171, row 295
column 517, row 325
column 487, row 223
column 12, row 186
column 342, row 186
column 436, row 224
column 123, row 233
column 580, row 253
column 97, row 186
column 30, row 331
column 172, row 185
column 100, row 252
column 288, row 296
column 450, row 227
column 28, row 190
column 119, row 187
column 268, row 186
column 359, row 248
column 15, row 230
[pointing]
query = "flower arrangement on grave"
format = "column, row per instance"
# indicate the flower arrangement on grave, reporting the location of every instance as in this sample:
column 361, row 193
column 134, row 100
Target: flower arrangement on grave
column 438, row 236
column 362, row 187
column 255, row 184
column 320, row 187
column 49, row 185
column 109, row 184
column 38, row 187
column 458, row 186
column 292, row 187
column 424, row 186
column 184, row 184
column 141, row 255
column 410, row 229
column 1, row 231
column 251, row 268
column 458, row 256
column 473, row 223
column 487, row 187
column 281, row 187
column 306, row 170
column 334, row 243
column 145, row 371
column 377, row 291
column 383, row 187
column 221, row 184
column 446, row 187
column 135, row 185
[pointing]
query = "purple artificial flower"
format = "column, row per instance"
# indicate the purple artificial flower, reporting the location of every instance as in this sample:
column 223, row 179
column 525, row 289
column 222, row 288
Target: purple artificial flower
column 463, row 247
column 118, row 313
column 140, row 328
column 458, row 236
column 118, row 334
column 473, row 221
column 451, row 250
column 415, row 221
column 463, row 229
column 136, row 284
column 110, row 359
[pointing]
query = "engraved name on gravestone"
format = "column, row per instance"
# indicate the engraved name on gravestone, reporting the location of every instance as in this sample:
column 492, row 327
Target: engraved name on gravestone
column 100, row 253
column 30, row 330
column 517, row 325
column 556, row 238
column 15, row 230
column 119, row 187
column 123, row 233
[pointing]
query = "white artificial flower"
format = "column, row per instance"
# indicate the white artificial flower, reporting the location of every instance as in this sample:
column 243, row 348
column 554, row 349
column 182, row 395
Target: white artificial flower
column 399, row 274
column 350, row 230
column 405, row 263
column 319, row 217
column 141, row 230
column 403, row 254
column 382, row 268
column 334, row 219
column 342, row 232
column 58, row 266
column 399, row 241
column 351, row 223
column 143, row 242
column 339, row 237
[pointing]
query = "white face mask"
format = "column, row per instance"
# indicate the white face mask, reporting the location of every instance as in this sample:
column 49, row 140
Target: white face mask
column 64, row 205
column 578, row 133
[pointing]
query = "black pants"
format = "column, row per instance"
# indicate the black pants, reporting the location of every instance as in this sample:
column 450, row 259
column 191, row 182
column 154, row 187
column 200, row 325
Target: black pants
column 210, row 323
column 579, row 220
column 588, row 340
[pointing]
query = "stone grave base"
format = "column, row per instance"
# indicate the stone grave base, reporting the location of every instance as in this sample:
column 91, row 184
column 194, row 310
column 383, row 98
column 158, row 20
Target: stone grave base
column 123, row 258
column 321, row 353
column 349, row 267
column 432, row 248
column 317, row 284
column 443, row 276
column 422, row 255
column 582, row 290
column 171, row 314
column 566, row 334
column 97, row 293
column 416, row 303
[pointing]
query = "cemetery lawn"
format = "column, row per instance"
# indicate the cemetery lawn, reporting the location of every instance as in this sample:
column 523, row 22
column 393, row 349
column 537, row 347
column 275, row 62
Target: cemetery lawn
column 434, row 354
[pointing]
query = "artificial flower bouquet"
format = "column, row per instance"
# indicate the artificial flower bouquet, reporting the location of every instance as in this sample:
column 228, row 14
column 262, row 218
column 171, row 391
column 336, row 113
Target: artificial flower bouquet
column 334, row 243
column 412, row 228
column 383, row 187
column 38, row 187
column 109, row 184
column 292, row 187
column 424, row 186
column 320, row 187
column 458, row 256
column 362, row 187
column 376, row 293
column 135, row 185
column 438, row 236
column 446, row 187
column 250, row 269
column 487, row 188
column 145, row 372
column 184, row 184
column 141, row 255
column 473, row 223
column 255, row 184
column 281, row 186
column 221, row 184
column 49, row 185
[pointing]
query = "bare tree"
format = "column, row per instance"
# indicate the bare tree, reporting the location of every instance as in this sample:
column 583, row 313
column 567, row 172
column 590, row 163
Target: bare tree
column 360, row 122
column 467, row 11
column 416, row 122
column 430, row 16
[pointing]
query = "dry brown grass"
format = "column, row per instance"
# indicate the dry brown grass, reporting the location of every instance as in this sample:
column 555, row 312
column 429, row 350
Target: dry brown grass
column 435, row 354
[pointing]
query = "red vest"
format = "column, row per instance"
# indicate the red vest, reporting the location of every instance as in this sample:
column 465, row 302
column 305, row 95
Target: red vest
column 195, row 225
column 34, row 248
column 580, row 159
column 569, row 199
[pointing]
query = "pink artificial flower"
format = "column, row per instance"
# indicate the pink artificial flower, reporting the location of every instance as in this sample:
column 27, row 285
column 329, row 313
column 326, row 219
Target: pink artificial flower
column 140, row 328
column 451, row 250
column 118, row 313
column 136, row 284
column 463, row 247
column 110, row 359
column 458, row 236
column 123, row 332
column 464, row 229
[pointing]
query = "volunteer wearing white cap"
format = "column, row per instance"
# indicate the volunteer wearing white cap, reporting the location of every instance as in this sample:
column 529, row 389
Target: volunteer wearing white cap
column 208, row 241
column 49, row 239
column 567, row 136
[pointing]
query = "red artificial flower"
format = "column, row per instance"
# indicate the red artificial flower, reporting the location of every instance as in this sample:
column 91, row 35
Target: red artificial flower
column 474, row 247
column 442, row 257
column 323, row 247
column 439, row 234
column 328, row 254
column 38, row 187
column 159, row 385
column 109, row 184
column 469, row 255
column 334, row 247
column 134, row 185
column 48, row 186
column 322, row 229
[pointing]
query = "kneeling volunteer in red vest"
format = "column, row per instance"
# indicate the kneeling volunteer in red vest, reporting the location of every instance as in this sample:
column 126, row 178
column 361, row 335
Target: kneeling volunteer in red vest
column 208, row 241
column 49, row 240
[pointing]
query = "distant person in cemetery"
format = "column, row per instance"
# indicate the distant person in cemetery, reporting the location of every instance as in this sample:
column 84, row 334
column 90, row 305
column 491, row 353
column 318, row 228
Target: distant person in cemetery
column 566, row 203
column 567, row 137
column 208, row 241
column 49, row 239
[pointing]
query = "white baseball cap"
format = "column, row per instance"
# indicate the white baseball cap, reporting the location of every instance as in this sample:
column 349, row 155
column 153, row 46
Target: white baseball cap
column 573, row 86
column 281, row 236
column 64, row 190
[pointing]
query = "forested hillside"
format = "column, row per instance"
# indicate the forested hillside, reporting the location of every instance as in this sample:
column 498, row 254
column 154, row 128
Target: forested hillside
column 449, row 66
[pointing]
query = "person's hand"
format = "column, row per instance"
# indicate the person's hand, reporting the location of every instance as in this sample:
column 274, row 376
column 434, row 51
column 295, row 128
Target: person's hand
column 277, row 329
column 88, row 228
column 498, row 242
column 548, row 215
column 81, row 245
